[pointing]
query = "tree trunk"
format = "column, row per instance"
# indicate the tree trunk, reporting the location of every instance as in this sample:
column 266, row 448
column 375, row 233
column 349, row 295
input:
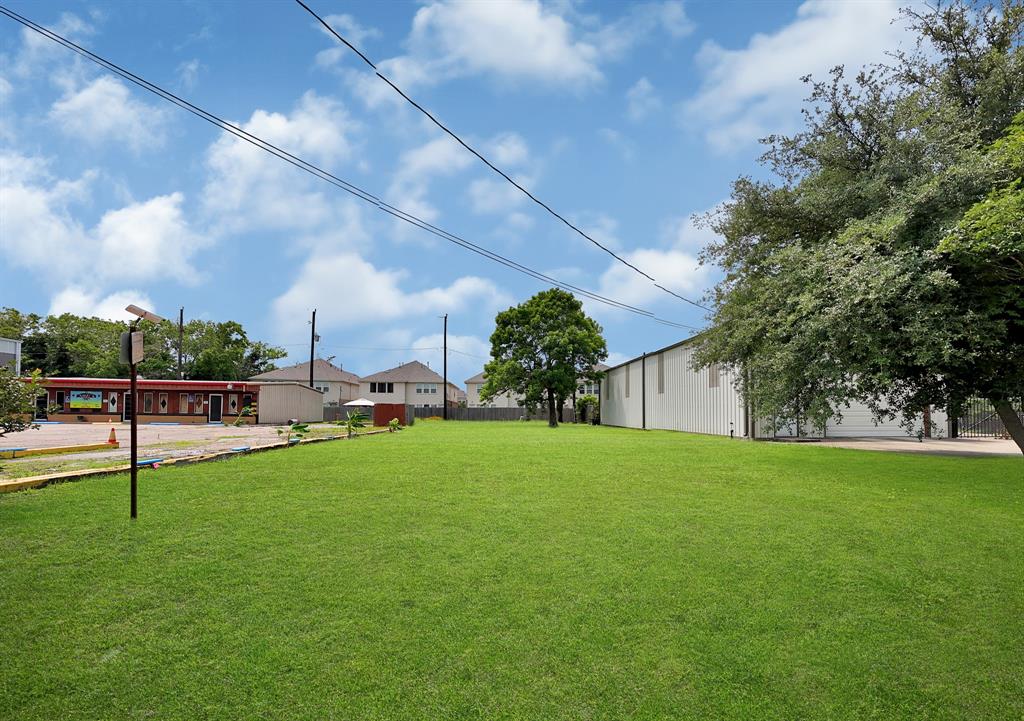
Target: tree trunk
column 1012, row 422
column 552, row 418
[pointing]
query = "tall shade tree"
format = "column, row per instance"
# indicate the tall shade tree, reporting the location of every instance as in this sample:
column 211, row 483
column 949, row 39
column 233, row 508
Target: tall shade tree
column 540, row 348
column 885, row 264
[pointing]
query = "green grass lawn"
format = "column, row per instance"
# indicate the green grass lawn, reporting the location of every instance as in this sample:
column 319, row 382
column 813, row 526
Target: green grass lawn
column 510, row 571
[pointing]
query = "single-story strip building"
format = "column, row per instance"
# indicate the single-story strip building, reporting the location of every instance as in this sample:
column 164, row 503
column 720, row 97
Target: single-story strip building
column 108, row 400
column 662, row 390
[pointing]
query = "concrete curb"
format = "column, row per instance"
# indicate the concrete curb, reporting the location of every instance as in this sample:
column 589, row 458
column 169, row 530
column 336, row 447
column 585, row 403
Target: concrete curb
column 56, row 450
column 20, row 484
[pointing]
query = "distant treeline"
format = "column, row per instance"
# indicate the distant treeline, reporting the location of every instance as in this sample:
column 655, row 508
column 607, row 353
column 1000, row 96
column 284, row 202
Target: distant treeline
column 69, row 345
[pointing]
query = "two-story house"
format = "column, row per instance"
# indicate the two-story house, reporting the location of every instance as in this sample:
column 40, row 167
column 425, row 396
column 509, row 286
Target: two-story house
column 338, row 386
column 411, row 383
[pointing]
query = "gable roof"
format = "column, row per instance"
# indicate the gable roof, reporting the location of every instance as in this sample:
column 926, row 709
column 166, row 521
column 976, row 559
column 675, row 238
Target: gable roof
column 322, row 371
column 479, row 377
column 411, row 372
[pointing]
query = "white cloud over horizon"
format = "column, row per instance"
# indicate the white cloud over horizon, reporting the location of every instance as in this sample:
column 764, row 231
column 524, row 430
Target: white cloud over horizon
column 90, row 304
column 41, row 231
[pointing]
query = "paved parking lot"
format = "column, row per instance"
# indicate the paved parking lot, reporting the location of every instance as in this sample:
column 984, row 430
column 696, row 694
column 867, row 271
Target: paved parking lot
column 71, row 434
column 155, row 441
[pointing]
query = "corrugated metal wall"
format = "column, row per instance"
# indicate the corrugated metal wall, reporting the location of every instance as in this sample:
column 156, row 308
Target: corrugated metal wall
column 679, row 398
column 280, row 402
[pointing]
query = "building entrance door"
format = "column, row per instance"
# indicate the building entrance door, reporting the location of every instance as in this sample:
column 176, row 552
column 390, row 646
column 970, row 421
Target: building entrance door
column 216, row 407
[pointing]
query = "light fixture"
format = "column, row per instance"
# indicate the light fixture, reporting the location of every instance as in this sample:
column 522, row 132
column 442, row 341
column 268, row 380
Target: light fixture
column 143, row 313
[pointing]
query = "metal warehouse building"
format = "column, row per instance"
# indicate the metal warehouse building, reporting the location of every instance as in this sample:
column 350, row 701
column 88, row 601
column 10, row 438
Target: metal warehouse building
column 662, row 390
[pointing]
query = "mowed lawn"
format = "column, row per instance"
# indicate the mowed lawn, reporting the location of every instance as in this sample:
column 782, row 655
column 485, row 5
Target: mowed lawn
column 511, row 571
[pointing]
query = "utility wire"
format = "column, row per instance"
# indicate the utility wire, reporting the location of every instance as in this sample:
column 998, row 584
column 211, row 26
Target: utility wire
column 488, row 163
column 320, row 173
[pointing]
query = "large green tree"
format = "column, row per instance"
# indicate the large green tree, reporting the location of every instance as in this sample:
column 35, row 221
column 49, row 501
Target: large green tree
column 540, row 348
column 884, row 264
column 70, row 345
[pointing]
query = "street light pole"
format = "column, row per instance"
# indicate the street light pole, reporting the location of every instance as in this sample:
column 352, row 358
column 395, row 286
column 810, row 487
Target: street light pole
column 135, row 429
column 181, row 337
column 131, row 354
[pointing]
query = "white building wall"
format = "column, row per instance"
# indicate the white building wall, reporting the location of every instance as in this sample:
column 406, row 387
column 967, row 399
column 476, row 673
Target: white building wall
column 858, row 421
column 279, row 402
column 684, row 400
column 619, row 408
column 503, row 400
column 690, row 400
column 396, row 396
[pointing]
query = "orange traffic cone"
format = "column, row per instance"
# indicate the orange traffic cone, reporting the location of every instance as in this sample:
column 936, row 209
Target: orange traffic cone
column 113, row 438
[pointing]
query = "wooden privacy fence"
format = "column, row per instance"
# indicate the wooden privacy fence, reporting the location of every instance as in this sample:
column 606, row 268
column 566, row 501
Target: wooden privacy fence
column 491, row 414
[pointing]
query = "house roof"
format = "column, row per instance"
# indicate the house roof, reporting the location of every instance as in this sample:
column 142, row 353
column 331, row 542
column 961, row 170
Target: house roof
column 479, row 377
column 411, row 372
column 322, row 371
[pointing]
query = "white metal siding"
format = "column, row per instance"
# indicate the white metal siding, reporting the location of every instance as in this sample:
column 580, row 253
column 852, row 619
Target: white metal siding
column 689, row 402
column 858, row 421
column 616, row 408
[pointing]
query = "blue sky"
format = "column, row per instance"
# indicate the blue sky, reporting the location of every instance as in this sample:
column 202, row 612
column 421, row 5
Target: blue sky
column 626, row 118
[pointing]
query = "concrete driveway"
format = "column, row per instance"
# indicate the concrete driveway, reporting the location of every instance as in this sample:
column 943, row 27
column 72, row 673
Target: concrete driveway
column 938, row 446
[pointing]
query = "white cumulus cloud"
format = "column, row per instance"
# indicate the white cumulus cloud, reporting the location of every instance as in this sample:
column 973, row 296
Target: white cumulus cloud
column 90, row 304
column 514, row 42
column 249, row 189
column 349, row 291
column 753, row 91
column 104, row 111
column 40, row 230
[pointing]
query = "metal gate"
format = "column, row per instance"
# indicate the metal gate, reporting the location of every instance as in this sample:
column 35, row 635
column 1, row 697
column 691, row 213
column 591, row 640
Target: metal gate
column 978, row 419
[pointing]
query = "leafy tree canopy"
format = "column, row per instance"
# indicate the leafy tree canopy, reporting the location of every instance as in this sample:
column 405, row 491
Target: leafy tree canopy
column 69, row 345
column 18, row 400
column 885, row 263
column 540, row 348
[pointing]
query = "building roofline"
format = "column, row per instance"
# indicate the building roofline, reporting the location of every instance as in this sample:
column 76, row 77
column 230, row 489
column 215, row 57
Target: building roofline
column 684, row 341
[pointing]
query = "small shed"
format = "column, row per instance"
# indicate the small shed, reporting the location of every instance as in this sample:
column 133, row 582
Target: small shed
column 280, row 402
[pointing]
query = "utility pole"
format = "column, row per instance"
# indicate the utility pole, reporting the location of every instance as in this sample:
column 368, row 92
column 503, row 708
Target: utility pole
column 446, row 366
column 312, row 347
column 181, row 336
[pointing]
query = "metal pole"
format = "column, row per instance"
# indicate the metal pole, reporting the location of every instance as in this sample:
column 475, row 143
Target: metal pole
column 135, row 437
column 181, row 335
column 312, row 347
column 643, row 391
column 445, row 366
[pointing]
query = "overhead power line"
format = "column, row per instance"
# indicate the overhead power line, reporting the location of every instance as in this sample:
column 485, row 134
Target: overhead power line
column 488, row 163
column 322, row 174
